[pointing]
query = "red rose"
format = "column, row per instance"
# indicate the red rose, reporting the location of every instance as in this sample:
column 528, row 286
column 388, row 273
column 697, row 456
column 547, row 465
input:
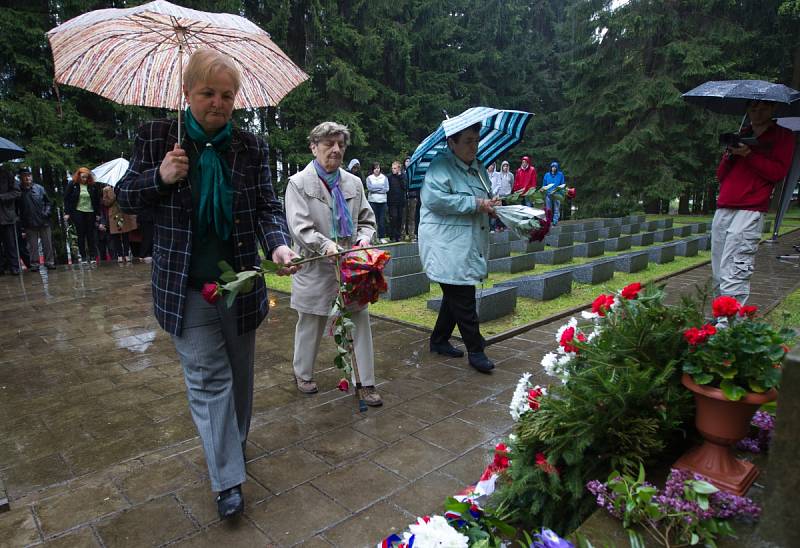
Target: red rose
column 211, row 292
column 725, row 306
column 602, row 304
column 344, row 385
column 631, row 291
column 748, row 310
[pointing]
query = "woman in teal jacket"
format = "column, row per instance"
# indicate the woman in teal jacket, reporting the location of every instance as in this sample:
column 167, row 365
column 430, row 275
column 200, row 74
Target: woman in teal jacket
column 454, row 241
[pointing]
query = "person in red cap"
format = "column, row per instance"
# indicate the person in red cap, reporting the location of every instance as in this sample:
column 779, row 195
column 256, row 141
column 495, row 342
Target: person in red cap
column 525, row 178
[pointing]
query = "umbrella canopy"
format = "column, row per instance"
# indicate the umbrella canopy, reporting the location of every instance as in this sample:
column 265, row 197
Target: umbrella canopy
column 111, row 172
column 134, row 56
column 9, row 150
column 732, row 96
column 500, row 130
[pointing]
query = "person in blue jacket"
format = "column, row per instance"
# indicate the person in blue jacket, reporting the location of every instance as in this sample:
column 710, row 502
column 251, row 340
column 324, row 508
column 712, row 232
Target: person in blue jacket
column 552, row 180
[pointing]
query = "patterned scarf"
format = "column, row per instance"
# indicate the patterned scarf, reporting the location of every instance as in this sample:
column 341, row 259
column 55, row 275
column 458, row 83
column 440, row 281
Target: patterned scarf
column 342, row 223
column 215, row 207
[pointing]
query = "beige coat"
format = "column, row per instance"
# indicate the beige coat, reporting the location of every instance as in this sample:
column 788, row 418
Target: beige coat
column 308, row 213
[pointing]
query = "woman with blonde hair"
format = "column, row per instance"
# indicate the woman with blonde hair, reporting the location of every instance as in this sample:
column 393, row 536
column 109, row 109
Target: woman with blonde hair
column 212, row 200
column 82, row 207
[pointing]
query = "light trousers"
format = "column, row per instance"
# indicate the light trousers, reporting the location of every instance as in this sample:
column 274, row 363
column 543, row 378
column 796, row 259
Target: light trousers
column 218, row 370
column 308, row 333
column 735, row 234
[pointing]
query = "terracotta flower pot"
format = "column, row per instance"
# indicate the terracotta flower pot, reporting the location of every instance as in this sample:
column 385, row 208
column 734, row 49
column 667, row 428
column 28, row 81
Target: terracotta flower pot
column 722, row 423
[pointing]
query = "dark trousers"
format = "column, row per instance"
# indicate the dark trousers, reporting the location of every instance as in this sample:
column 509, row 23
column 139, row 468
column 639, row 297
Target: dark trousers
column 416, row 216
column 9, row 255
column 87, row 237
column 146, row 247
column 458, row 308
column 396, row 221
column 379, row 209
column 120, row 242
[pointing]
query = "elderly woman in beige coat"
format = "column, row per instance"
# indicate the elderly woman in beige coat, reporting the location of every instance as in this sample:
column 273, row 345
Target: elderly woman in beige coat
column 327, row 212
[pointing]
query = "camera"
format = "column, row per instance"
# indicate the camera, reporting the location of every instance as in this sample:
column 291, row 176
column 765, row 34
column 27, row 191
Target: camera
column 733, row 140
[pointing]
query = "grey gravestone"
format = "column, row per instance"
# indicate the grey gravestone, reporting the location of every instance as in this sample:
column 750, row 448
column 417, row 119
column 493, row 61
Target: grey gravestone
column 543, row 287
column 498, row 237
column 400, row 266
column 687, row 248
column 632, row 228
column 516, row 263
column 618, row 244
column 644, row 238
column 616, row 221
column 664, row 235
column 587, row 235
column 778, row 523
column 631, row 262
column 403, row 287
column 699, row 228
column 664, row 223
column 559, row 239
column 568, row 228
column 609, row 232
column 402, row 250
column 524, row 246
column 638, row 218
column 591, row 225
column 589, row 249
column 499, row 250
column 704, row 242
column 512, row 236
column 491, row 303
column 682, row 231
column 557, row 255
column 650, row 226
column 594, row 272
column 662, row 254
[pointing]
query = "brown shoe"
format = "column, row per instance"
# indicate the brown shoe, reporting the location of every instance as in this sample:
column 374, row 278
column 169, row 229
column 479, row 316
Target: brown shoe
column 371, row 397
column 306, row 387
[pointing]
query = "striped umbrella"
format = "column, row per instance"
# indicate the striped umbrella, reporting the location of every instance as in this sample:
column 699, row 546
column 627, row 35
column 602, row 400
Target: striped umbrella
column 500, row 130
column 135, row 56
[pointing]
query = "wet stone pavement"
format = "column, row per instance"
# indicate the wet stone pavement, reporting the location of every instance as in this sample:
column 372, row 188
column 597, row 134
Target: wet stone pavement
column 98, row 448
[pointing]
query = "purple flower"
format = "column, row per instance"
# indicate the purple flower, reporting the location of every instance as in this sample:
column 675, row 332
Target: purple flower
column 548, row 539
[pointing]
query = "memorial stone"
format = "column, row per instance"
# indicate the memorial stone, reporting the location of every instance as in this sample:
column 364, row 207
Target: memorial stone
column 587, row 235
column 662, row 254
column 556, row 255
column 514, row 263
column 490, row 303
column 542, row 287
column 589, row 249
column 612, row 231
column 618, row 244
column 644, row 238
column 663, row 235
column 631, row 262
column 403, row 287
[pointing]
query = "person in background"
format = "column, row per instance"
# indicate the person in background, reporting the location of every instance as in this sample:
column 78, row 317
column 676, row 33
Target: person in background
column 354, row 167
column 119, row 224
column 327, row 213
column 551, row 180
column 411, row 218
column 82, row 207
column 454, row 242
column 502, row 181
column 104, row 251
column 747, row 175
column 9, row 245
column 378, row 188
column 35, row 208
column 396, row 202
column 525, row 178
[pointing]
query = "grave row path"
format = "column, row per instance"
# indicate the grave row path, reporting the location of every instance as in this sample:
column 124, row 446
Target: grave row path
column 98, row 448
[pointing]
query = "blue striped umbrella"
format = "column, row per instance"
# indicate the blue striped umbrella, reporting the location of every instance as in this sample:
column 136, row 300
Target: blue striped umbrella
column 500, row 130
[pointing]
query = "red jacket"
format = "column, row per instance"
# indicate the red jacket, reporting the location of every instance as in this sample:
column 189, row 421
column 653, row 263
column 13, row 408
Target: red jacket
column 525, row 179
column 747, row 182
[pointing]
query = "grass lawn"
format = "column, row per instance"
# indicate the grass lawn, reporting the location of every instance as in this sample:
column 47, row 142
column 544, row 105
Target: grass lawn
column 787, row 314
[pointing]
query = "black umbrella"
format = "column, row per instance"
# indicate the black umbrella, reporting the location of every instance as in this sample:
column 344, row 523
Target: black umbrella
column 10, row 151
column 732, row 96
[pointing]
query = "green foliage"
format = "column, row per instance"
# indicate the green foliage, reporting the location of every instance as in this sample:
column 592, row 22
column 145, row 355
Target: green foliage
column 621, row 403
column 480, row 525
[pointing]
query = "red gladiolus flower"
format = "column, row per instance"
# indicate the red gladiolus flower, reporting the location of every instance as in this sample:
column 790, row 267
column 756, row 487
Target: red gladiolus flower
column 725, row 306
column 535, row 393
column 748, row 310
column 211, row 292
column 631, row 291
column 344, row 385
column 602, row 304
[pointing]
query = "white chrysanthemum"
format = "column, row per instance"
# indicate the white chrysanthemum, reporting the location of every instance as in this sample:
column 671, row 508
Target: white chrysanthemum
column 436, row 533
column 571, row 323
column 587, row 315
column 550, row 363
column 519, row 401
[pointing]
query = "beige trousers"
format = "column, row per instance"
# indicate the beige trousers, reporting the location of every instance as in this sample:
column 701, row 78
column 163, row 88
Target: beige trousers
column 308, row 333
column 735, row 234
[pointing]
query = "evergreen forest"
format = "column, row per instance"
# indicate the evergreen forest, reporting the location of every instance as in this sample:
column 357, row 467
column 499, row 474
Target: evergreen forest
column 603, row 78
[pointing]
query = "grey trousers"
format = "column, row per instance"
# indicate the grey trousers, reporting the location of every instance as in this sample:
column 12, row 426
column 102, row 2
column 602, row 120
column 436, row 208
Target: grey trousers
column 218, row 370
column 33, row 235
column 735, row 234
column 308, row 334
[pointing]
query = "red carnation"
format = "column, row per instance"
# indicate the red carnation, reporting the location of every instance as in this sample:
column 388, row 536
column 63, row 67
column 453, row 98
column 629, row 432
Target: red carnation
column 211, row 292
column 541, row 462
column 602, row 304
column 567, row 338
column 725, row 306
column 343, row 385
column 748, row 310
column 631, row 291
column 535, row 393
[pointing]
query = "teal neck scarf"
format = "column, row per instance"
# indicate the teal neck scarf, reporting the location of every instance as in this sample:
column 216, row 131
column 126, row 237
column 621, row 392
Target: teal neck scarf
column 215, row 207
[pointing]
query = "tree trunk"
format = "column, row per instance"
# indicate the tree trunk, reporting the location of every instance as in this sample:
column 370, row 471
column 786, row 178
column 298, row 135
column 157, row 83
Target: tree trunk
column 653, row 207
column 683, row 204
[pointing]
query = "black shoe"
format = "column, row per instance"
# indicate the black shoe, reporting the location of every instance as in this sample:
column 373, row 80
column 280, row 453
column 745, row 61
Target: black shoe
column 479, row 361
column 447, row 349
column 230, row 502
column 15, row 272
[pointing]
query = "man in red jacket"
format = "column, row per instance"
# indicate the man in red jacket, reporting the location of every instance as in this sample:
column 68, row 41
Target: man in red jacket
column 747, row 176
column 525, row 177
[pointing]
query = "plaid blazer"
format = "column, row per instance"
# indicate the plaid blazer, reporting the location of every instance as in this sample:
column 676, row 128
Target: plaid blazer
column 257, row 216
